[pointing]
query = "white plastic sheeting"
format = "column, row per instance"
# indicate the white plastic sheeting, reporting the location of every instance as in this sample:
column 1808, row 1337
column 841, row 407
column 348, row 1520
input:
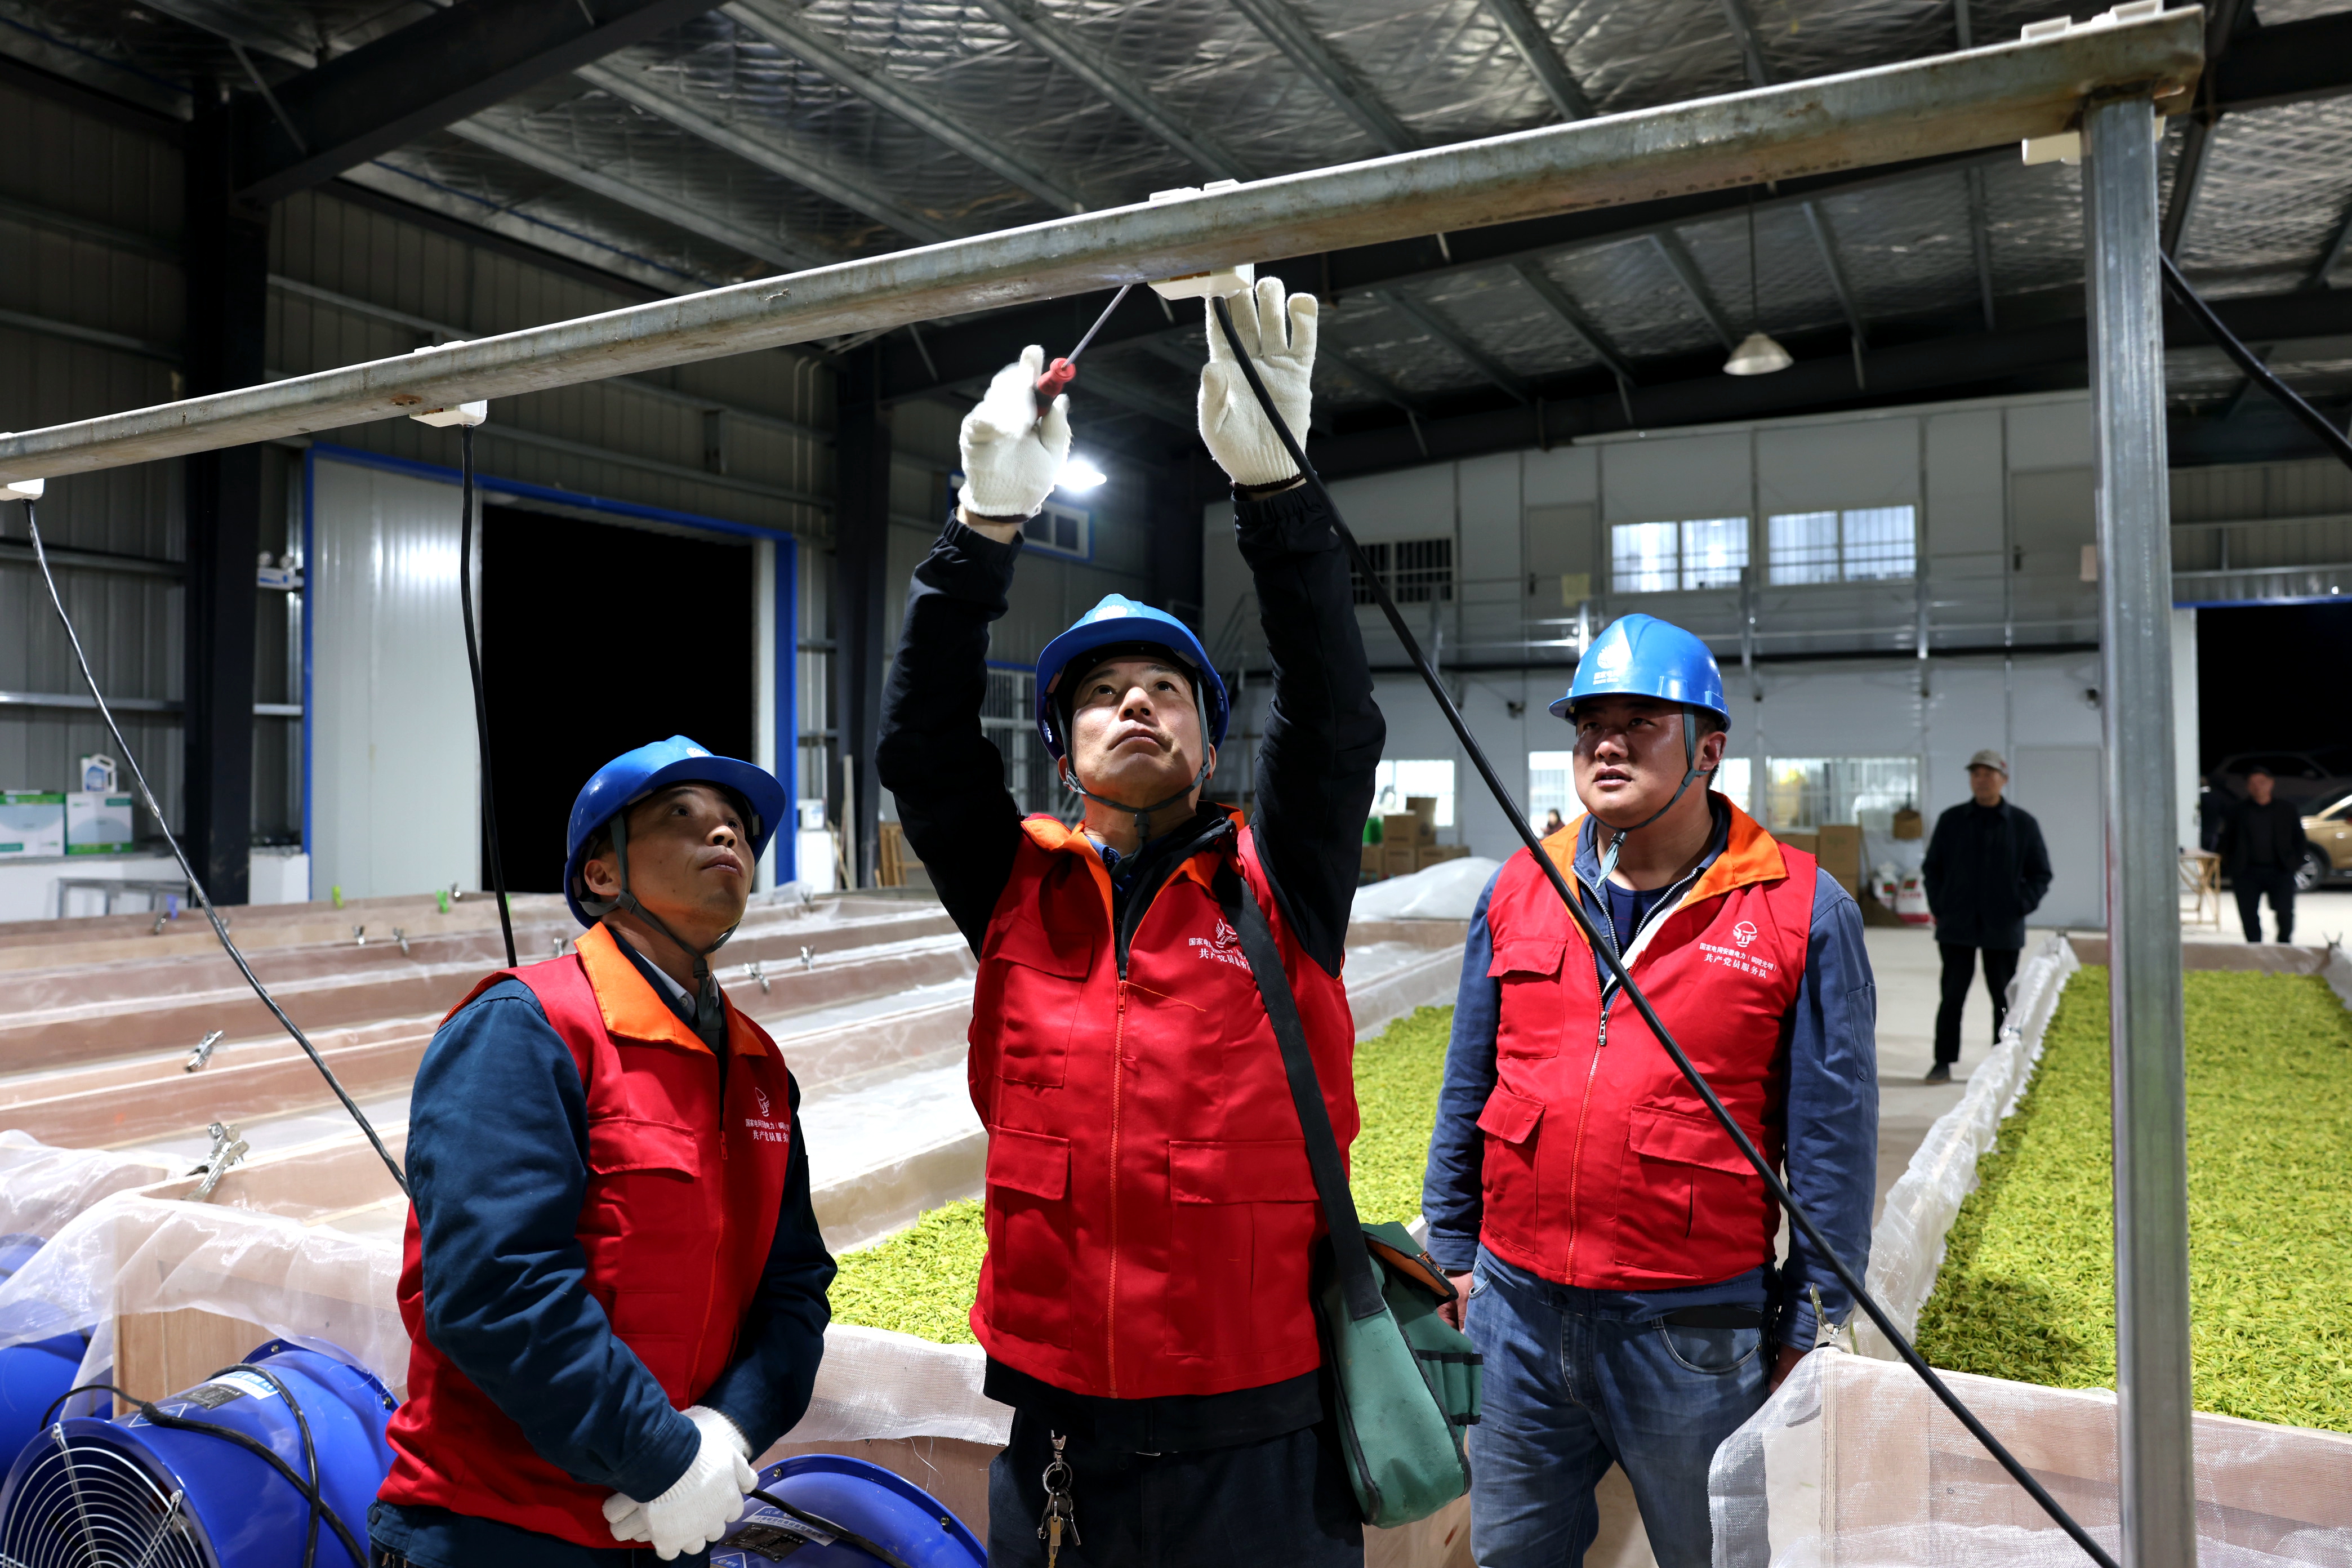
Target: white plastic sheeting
column 42, row 1188
column 877, row 1384
column 1907, row 1245
column 1387, row 980
column 129, row 1254
column 1853, row 1462
column 1447, row 892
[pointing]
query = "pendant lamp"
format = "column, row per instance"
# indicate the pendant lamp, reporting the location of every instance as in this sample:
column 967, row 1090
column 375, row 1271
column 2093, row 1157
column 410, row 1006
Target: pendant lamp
column 1757, row 353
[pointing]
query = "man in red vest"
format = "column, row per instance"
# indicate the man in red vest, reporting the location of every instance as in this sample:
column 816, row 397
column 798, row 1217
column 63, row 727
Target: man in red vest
column 614, row 1280
column 1614, row 1249
column 1151, row 1217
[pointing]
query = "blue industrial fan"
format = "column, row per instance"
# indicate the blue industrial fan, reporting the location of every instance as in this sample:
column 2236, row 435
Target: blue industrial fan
column 840, row 1512
column 32, row 1375
column 184, row 1482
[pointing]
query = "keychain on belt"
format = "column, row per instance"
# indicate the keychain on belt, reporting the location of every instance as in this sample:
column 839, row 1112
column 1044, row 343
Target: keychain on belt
column 1060, row 1517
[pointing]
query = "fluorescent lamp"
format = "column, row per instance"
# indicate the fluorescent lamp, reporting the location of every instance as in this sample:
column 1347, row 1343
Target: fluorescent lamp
column 1757, row 354
column 1078, row 475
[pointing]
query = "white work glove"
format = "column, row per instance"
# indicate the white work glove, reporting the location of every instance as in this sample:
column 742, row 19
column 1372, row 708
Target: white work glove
column 701, row 1504
column 1011, row 457
column 1232, row 426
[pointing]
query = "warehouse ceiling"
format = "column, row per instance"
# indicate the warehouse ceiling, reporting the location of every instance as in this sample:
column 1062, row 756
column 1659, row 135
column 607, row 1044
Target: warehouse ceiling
column 683, row 148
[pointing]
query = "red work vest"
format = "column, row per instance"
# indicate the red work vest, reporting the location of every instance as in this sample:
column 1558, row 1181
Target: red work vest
column 1602, row 1168
column 678, row 1217
column 1150, row 1213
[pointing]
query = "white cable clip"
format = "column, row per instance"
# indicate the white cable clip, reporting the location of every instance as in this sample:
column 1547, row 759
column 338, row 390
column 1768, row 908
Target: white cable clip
column 1218, row 283
column 2066, row 146
column 24, row 489
column 451, row 412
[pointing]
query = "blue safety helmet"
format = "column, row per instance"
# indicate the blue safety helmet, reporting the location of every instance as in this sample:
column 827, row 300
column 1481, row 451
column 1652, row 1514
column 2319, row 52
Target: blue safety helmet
column 1120, row 622
column 1642, row 656
column 633, row 775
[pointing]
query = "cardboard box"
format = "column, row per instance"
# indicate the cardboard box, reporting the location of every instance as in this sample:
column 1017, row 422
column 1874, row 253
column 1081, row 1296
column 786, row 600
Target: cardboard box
column 1400, row 858
column 1402, row 827
column 1423, row 807
column 1372, row 865
column 1810, row 843
column 1438, row 854
column 97, row 822
column 31, row 823
column 1840, row 853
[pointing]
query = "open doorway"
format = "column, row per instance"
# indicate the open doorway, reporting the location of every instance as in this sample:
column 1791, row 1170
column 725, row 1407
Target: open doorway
column 595, row 639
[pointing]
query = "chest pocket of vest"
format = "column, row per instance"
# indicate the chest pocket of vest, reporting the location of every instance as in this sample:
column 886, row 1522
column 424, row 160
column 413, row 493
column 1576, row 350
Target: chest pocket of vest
column 1041, row 1003
column 1532, row 1015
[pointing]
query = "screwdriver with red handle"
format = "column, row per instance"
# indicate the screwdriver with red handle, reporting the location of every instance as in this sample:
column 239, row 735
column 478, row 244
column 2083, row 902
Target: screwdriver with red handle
column 1059, row 374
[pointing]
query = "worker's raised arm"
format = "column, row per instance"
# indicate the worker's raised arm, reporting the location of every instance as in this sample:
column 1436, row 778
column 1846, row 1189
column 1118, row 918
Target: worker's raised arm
column 933, row 755
column 1323, row 732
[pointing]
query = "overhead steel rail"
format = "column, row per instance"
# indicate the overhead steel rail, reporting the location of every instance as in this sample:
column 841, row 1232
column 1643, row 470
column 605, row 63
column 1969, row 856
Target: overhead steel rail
column 2006, row 93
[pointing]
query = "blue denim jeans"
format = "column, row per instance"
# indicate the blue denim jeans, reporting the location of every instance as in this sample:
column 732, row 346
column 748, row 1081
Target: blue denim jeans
column 1576, row 1379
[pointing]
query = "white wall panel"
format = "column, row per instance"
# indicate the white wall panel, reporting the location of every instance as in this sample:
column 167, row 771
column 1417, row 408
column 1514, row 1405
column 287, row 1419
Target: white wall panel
column 1966, row 710
column 1817, row 468
column 2063, row 788
column 396, row 802
column 1562, row 474
column 2055, row 434
column 1673, row 476
column 1964, row 489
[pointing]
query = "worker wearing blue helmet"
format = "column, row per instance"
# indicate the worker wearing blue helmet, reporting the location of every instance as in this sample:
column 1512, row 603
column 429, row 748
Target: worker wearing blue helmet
column 1144, row 1305
column 1615, row 1251
column 613, row 1280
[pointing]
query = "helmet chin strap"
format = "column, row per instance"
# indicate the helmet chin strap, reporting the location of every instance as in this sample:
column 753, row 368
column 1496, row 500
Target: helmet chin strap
column 1142, row 814
column 706, row 999
column 1691, row 770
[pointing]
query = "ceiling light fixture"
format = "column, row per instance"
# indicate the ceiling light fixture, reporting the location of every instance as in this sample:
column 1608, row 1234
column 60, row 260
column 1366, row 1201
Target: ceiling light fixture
column 1757, row 353
column 1078, row 475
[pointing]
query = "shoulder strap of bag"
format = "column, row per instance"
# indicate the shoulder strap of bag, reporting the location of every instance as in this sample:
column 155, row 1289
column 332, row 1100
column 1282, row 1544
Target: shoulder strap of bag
column 1258, row 945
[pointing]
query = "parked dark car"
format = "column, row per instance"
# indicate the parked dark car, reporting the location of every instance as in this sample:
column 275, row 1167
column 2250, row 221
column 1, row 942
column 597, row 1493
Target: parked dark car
column 2307, row 778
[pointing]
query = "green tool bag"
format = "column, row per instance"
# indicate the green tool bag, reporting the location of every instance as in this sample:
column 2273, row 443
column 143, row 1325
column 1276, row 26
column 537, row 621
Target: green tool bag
column 1407, row 1383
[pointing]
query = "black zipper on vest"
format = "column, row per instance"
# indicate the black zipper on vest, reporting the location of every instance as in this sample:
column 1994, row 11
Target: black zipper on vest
column 1140, row 900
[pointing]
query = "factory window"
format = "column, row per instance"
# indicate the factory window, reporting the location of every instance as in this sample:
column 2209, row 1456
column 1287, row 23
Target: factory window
column 1062, row 529
column 1398, row 782
column 1417, row 571
column 1008, row 716
column 1866, row 545
column 1670, row 557
column 1800, row 794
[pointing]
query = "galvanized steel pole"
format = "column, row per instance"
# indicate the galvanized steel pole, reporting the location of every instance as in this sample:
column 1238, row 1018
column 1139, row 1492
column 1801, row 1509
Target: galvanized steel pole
column 2144, row 1009
column 1918, row 108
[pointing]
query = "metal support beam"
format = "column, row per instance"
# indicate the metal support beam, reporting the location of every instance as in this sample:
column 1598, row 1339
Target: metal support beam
column 1535, row 45
column 1916, row 109
column 1316, row 61
column 226, row 261
column 674, row 210
column 860, row 570
column 2188, row 178
column 1037, row 28
column 1107, row 383
column 1751, row 46
column 1454, row 337
column 804, row 159
column 430, row 74
column 2144, row 1025
column 1579, row 324
column 1825, row 240
column 1980, row 238
column 1678, row 257
column 2332, row 252
column 782, row 25
column 1371, row 380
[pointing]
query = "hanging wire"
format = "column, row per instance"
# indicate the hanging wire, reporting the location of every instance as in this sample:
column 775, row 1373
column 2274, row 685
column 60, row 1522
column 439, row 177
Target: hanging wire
column 1608, row 953
column 474, row 668
column 155, row 809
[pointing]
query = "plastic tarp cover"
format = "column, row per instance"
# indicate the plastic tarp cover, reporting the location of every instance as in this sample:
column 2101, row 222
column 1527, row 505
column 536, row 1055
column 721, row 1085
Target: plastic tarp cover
column 1853, row 1462
column 1906, row 1246
column 1447, row 892
column 42, row 1188
column 877, row 1383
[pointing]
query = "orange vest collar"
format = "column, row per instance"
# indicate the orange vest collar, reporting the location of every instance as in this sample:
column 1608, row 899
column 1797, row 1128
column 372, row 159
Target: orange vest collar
column 1050, row 833
column 633, row 1011
column 1750, row 856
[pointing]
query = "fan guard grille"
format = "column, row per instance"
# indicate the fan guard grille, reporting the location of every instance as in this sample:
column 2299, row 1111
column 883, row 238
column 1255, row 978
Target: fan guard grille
column 83, row 1504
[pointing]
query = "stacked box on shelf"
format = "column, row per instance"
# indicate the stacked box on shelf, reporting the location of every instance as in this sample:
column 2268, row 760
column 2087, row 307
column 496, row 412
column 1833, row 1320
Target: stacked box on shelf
column 31, row 823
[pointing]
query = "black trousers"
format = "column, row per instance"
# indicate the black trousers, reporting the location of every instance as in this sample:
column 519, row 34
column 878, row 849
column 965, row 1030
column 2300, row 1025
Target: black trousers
column 1960, row 968
column 1283, row 1503
column 2250, row 885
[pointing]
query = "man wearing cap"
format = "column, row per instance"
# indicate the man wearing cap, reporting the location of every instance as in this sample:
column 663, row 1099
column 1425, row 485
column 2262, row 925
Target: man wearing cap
column 1151, row 1216
column 613, row 1284
column 1615, row 1249
column 1985, row 870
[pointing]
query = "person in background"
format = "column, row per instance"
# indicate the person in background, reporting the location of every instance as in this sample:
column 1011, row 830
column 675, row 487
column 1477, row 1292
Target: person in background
column 1614, row 1248
column 2261, row 844
column 1987, row 869
column 1552, row 824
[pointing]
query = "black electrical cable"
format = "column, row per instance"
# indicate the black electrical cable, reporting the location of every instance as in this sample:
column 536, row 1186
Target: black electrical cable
column 474, row 667
column 155, row 809
column 309, row 1452
column 2311, row 418
column 1616, row 966
column 875, row 1549
column 322, row 1508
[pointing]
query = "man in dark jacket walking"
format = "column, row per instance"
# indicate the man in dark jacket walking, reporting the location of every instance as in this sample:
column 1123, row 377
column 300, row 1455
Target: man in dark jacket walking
column 2261, row 844
column 1985, row 870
